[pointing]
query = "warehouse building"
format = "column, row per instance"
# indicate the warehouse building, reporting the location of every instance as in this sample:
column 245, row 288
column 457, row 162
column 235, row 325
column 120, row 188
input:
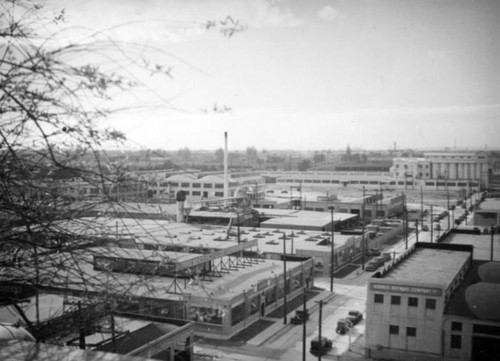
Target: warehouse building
column 406, row 302
column 180, row 271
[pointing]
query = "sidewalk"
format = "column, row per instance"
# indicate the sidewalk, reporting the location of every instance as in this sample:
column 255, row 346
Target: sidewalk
column 279, row 328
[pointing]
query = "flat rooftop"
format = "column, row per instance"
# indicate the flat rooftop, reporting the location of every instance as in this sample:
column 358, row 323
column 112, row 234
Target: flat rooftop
column 86, row 278
column 151, row 231
column 297, row 218
column 481, row 243
column 272, row 240
column 428, row 265
column 490, row 204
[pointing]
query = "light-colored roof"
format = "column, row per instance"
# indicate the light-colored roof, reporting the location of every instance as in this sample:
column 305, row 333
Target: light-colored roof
column 213, row 178
column 481, row 243
column 430, row 266
column 272, row 240
column 490, row 204
column 186, row 177
column 283, row 217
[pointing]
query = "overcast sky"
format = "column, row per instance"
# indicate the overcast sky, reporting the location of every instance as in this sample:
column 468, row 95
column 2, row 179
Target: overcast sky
column 314, row 74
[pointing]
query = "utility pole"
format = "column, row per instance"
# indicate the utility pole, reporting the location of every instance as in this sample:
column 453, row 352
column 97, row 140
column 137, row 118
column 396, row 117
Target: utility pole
column 332, row 258
column 284, row 279
column 421, row 206
column 492, row 231
column 238, row 226
column 448, row 200
column 321, row 303
column 405, row 221
column 416, row 230
column 363, row 232
column 304, row 326
column 430, row 224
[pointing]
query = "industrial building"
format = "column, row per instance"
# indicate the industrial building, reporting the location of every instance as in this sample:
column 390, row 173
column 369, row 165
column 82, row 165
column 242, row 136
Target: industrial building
column 435, row 302
column 487, row 213
column 176, row 270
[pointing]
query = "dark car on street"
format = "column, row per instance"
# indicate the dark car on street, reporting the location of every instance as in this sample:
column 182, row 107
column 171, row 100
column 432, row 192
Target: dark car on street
column 354, row 316
column 320, row 347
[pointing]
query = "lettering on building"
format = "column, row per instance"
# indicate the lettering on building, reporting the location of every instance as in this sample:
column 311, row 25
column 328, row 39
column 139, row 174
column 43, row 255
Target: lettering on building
column 427, row 291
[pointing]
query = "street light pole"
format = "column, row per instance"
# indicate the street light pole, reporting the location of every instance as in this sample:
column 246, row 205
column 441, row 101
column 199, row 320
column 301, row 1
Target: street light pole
column 332, row 258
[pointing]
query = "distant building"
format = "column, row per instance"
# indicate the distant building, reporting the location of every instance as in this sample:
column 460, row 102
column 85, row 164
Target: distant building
column 209, row 186
column 126, row 190
column 416, row 168
column 445, row 169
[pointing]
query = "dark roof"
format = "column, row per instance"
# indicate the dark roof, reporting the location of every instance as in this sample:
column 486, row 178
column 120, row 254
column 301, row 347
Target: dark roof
column 131, row 341
column 479, row 294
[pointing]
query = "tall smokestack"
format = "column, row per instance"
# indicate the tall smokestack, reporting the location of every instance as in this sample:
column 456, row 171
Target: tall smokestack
column 226, row 175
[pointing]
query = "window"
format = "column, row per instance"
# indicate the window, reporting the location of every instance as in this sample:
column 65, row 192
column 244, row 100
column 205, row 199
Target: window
column 393, row 330
column 395, row 300
column 456, row 326
column 456, row 341
column 411, row 332
column 185, row 185
column 207, row 185
column 219, row 185
column 219, row 194
column 196, row 185
column 430, row 303
column 195, row 193
column 378, row 298
column 413, row 302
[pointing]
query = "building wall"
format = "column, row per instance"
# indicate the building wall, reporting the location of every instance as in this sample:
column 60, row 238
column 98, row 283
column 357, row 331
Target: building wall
column 222, row 319
column 459, row 333
column 417, row 168
column 412, row 326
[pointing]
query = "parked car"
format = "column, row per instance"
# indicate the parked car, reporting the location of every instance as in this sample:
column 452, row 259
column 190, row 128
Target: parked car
column 300, row 317
column 386, row 257
column 370, row 267
column 380, row 260
column 320, row 346
column 373, row 252
column 343, row 326
column 354, row 316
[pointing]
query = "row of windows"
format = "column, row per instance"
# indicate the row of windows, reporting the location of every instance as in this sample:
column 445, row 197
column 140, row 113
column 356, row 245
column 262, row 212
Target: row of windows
column 205, row 194
column 195, row 185
column 410, row 331
column 430, row 303
column 406, row 166
column 326, row 181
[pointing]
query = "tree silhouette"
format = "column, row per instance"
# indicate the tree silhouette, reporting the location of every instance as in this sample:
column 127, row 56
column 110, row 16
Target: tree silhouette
column 54, row 95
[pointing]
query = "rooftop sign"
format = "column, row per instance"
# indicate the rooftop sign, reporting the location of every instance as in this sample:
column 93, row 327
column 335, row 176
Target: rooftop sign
column 427, row 291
